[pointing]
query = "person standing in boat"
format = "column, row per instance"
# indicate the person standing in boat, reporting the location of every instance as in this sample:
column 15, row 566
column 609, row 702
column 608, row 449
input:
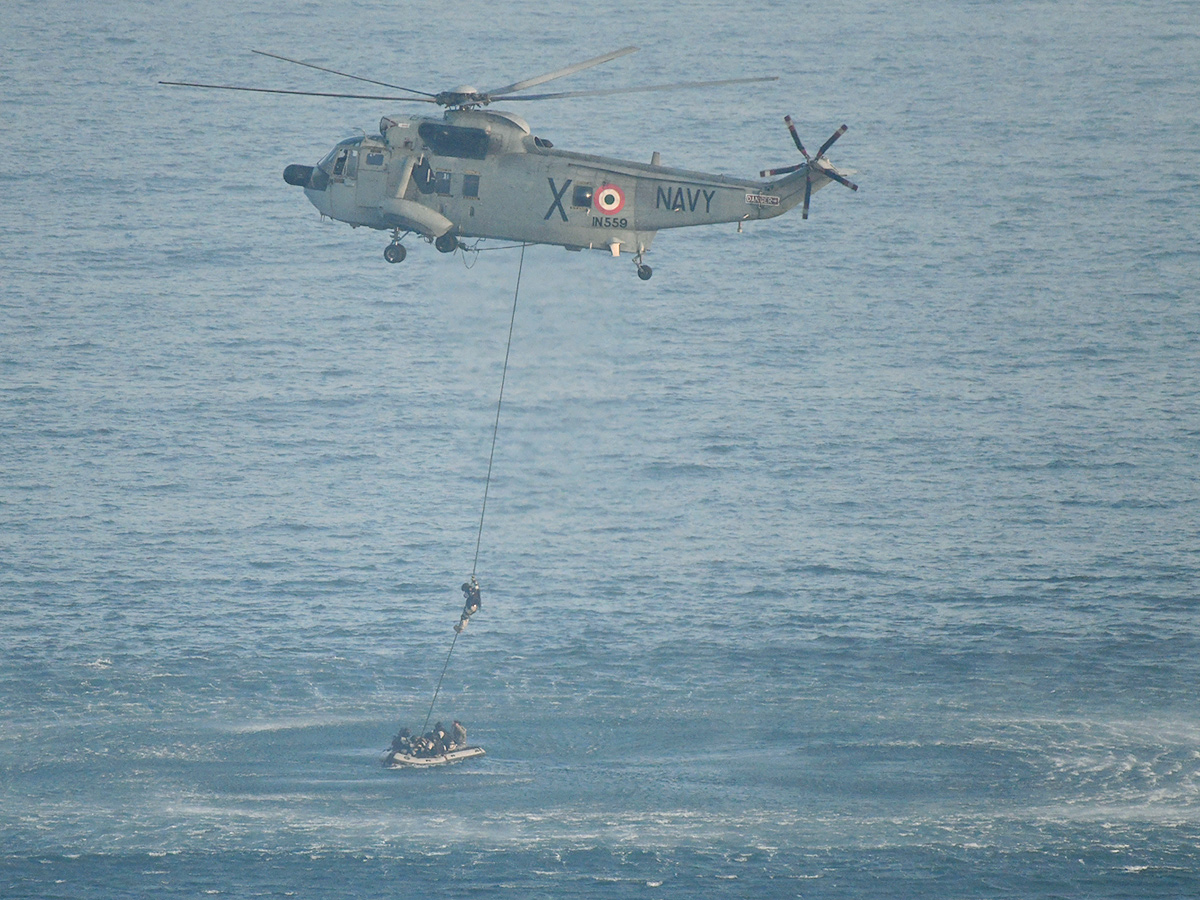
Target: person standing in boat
column 458, row 736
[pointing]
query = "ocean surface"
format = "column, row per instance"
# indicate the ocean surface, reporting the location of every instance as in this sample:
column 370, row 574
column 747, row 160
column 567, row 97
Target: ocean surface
column 856, row 557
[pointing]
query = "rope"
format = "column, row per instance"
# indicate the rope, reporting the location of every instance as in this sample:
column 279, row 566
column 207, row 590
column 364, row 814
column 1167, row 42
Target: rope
column 425, row 727
column 470, row 255
column 496, row 428
column 488, row 481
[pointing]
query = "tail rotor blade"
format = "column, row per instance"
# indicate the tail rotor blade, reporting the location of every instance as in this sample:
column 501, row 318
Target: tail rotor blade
column 839, row 178
column 813, row 166
column 829, row 143
column 795, row 135
column 768, row 173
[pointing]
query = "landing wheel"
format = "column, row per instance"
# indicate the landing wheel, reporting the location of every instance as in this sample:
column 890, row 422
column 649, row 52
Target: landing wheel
column 644, row 272
column 447, row 243
column 394, row 253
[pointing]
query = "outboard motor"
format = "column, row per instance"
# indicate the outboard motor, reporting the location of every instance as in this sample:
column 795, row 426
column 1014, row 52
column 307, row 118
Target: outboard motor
column 298, row 175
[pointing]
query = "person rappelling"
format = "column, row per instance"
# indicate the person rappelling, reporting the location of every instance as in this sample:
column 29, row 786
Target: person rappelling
column 471, row 603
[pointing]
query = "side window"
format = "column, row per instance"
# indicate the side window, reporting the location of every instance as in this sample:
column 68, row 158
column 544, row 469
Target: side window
column 470, row 185
column 441, row 183
column 582, row 196
column 375, row 158
column 453, row 140
column 339, row 164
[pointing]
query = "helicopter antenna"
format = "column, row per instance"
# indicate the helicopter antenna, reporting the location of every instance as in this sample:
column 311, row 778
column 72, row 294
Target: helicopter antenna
column 343, row 74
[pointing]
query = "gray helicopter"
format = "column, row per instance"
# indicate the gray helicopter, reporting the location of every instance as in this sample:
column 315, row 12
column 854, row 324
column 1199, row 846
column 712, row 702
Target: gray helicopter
column 478, row 173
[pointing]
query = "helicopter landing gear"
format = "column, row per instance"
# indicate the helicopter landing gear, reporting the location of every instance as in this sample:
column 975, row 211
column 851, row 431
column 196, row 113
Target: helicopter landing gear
column 395, row 252
column 447, row 243
column 643, row 270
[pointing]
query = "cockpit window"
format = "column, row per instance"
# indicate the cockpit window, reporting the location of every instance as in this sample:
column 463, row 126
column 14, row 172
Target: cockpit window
column 454, row 140
column 326, row 164
column 345, row 164
column 338, row 159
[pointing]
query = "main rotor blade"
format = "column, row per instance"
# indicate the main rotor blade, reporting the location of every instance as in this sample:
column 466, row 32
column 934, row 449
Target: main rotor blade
column 560, row 73
column 231, row 87
column 343, row 74
column 833, row 137
column 637, row 90
column 807, row 195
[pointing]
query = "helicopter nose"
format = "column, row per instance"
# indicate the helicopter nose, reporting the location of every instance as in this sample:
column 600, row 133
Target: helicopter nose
column 297, row 175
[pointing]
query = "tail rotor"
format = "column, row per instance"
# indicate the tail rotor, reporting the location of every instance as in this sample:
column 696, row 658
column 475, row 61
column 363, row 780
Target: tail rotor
column 814, row 165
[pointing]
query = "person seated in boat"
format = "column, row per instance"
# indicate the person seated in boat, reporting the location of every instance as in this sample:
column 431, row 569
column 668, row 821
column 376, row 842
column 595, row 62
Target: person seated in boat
column 402, row 742
column 441, row 740
column 458, row 736
column 423, row 746
column 433, row 743
column 471, row 603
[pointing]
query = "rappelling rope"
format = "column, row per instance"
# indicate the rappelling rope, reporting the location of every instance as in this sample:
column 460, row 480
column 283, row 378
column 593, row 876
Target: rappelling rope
column 470, row 255
column 496, row 428
column 425, row 727
column 487, row 481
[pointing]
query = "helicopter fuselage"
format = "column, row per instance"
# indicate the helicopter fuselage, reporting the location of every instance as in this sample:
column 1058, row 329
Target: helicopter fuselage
column 482, row 174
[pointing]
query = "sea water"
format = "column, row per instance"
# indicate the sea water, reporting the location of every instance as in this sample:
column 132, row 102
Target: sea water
column 849, row 557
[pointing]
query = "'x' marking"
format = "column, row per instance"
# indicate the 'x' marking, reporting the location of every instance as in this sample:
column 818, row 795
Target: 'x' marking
column 557, row 204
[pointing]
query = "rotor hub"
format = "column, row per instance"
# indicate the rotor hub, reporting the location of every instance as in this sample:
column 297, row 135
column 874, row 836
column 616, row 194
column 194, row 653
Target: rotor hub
column 462, row 97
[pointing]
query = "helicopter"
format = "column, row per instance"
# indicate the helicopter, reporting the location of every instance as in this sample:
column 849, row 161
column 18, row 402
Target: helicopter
column 481, row 173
